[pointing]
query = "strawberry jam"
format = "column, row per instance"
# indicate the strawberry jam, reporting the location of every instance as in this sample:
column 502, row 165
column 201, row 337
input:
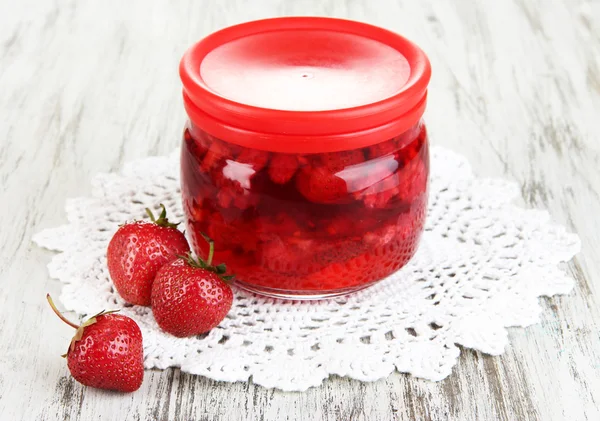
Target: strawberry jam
column 305, row 158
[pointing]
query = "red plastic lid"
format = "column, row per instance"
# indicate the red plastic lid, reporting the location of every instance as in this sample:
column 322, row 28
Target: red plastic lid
column 304, row 84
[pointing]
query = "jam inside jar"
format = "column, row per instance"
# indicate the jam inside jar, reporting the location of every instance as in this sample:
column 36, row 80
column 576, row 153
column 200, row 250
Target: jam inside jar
column 304, row 202
column 300, row 224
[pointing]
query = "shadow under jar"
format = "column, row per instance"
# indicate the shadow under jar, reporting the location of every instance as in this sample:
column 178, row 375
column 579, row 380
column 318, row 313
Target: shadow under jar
column 305, row 158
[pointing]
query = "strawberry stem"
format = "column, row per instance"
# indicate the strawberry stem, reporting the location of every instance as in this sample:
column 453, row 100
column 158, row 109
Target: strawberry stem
column 162, row 220
column 211, row 250
column 150, row 214
column 219, row 269
column 58, row 313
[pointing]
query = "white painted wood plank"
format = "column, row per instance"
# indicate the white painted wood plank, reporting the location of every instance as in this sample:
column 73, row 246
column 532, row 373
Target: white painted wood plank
column 87, row 86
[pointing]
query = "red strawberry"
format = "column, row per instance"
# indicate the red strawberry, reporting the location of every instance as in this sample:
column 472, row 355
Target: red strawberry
column 258, row 159
column 190, row 297
column 138, row 250
column 106, row 352
column 282, row 168
column 217, row 151
column 337, row 161
column 320, row 185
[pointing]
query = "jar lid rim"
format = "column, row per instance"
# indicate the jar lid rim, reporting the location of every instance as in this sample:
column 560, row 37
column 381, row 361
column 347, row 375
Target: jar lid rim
column 306, row 123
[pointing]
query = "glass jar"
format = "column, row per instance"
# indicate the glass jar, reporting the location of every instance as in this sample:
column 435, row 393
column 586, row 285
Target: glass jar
column 305, row 158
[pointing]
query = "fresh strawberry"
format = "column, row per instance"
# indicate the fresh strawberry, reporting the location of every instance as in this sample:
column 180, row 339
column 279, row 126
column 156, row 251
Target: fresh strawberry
column 190, row 297
column 256, row 158
column 138, row 250
column 319, row 185
column 282, row 168
column 106, row 352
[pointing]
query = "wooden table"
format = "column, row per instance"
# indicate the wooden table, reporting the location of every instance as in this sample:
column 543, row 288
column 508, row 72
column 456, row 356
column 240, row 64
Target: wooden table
column 86, row 86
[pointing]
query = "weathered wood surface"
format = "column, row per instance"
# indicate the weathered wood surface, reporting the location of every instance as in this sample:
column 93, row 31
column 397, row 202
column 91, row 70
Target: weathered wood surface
column 87, row 85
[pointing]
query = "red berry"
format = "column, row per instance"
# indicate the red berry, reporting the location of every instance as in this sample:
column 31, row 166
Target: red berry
column 217, row 152
column 337, row 161
column 106, row 352
column 282, row 168
column 190, row 297
column 137, row 251
column 258, row 159
column 319, row 185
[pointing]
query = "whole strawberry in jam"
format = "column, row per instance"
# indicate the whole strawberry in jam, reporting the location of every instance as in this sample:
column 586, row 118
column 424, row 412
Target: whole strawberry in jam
column 106, row 352
column 323, row 180
column 190, row 297
column 282, row 168
column 320, row 185
column 138, row 250
column 337, row 161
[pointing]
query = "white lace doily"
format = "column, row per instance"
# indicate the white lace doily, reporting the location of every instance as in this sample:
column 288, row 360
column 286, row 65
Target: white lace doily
column 481, row 266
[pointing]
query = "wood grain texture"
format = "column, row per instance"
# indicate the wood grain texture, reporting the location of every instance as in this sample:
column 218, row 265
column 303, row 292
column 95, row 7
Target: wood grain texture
column 86, row 86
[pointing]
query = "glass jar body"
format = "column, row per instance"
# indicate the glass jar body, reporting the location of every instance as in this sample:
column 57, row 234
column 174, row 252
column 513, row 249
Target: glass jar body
column 306, row 225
